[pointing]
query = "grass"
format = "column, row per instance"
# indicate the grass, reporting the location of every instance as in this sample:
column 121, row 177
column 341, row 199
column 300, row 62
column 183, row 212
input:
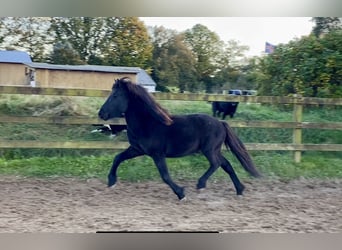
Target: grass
column 96, row 163
column 272, row 165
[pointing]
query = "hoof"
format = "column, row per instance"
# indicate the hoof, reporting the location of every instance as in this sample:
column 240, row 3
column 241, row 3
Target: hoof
column 184, row 199
column 111, row 181
column 200, row 190
column 112, row 186
column 180, row 193
column 240, row 190
column 200, row 186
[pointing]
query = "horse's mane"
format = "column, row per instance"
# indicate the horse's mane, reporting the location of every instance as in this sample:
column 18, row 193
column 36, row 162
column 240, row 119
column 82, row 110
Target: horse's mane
column 137, row 91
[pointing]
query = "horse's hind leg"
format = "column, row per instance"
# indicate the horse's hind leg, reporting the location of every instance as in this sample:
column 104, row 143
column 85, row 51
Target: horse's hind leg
column 129, row 153
column 164, row 174
column 214, row 164
column 227, row 167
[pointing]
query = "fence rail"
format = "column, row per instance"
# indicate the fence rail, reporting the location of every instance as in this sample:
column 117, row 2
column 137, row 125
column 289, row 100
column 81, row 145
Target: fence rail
column 75, row 120
column 297, row 124
column 124, row 145
column 173, row 96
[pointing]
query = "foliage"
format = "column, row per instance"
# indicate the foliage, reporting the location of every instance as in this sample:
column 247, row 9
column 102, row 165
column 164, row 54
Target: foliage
column 129, row 43
column 324, row 25
column 206, row 46
column 26, row 33
column 173, row 63
column 118, row 41
column 232, row 72
column 63, row 53
column 85, row 35
column 194, row 60
column 115, row 41
column 309, row 66
column 2, row 25
column 248, row 73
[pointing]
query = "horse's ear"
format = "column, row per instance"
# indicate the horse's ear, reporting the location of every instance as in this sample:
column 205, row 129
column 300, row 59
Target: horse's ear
column 129, row 85
column 116, row 82
column 126, row 80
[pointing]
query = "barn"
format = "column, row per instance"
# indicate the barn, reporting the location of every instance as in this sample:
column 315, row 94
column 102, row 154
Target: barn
column 16, row 68
column 12, row 67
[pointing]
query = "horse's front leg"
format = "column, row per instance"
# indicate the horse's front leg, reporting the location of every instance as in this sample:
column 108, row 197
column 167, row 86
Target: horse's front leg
column 164, row 174
column 129, row 153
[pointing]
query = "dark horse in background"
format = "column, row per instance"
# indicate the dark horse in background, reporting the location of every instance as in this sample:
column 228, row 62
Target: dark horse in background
column 152, row 131
column 226, row 108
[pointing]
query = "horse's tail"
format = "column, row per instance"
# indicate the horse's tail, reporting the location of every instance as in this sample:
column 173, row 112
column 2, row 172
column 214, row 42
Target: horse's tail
column 240, row 151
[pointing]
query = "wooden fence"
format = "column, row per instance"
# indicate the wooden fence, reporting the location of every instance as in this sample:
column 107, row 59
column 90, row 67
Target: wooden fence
column 297, row 124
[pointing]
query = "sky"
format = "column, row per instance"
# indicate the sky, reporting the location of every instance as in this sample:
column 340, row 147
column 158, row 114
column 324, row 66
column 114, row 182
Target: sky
column 250, row 31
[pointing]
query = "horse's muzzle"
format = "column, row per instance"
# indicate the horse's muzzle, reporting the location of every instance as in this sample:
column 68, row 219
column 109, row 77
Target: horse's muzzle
column 103, row 115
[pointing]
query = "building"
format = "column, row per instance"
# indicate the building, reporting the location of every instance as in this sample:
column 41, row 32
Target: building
column 20, row 70
column 12, row 68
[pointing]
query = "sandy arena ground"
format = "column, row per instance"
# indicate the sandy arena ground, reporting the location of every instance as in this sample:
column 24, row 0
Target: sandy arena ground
column 72, row 205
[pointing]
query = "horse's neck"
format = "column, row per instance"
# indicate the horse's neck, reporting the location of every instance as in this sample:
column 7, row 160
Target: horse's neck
column 139, row 119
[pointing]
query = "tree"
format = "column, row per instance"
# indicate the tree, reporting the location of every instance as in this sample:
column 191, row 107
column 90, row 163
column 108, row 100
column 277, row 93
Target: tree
column 128, row 44
column 207, row 47
column 231, row 64
column 332, row 43
column 173, row 62
column 324, row 25
column 118, row 41
column 249, row 74
column 63, row 53
column 30, row 34
column 196, row 59
column 85, row 35
column 2, row 30
column 310, row 66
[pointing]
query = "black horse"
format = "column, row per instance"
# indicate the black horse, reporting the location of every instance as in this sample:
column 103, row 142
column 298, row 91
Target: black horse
column 226, row 108
column 152, row 131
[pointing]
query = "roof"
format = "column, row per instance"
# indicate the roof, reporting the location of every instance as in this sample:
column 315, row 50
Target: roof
column 14, row 56
column 145, row 79
column 98, row 68
column 142, row 77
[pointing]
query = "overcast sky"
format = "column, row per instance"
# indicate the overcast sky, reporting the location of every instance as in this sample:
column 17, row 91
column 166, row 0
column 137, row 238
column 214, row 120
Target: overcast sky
column 250, row 31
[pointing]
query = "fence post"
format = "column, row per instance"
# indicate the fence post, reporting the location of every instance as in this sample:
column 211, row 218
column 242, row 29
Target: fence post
column 297, row 132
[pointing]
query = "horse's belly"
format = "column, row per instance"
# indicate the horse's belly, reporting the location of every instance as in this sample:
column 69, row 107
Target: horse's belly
column 182, row 149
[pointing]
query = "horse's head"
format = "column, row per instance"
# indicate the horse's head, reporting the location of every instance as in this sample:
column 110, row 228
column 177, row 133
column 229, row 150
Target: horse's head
column 117, row 102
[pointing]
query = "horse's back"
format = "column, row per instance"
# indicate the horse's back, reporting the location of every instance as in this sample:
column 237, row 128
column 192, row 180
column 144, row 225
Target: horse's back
column 196, row 122
column 192, row 133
